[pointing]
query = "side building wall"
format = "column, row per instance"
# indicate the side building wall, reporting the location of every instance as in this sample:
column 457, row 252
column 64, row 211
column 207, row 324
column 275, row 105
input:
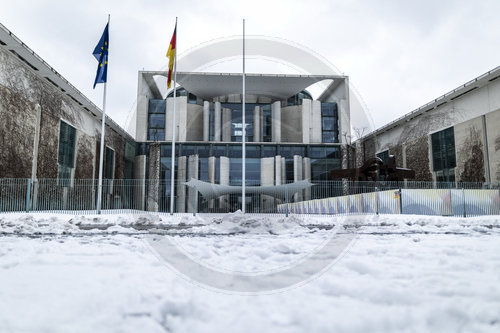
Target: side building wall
column 31, row 109
column 475, row 118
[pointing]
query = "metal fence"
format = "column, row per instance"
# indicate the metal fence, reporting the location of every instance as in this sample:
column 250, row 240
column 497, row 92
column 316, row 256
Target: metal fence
column 79, row 196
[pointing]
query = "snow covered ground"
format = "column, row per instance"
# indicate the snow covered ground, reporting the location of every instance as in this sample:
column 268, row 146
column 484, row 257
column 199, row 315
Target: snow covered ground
column 63, row 273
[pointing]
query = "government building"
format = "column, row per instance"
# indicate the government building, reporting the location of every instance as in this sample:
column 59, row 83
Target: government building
column 290, row 136
column 50, row 134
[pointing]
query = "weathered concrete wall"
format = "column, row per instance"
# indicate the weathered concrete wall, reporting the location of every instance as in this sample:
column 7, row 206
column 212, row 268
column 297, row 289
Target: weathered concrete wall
column 492, row 129
column 17, row 129
column 195, row 123
column 417, row 158
column 21, row 89
column 291, row 123
column 469, row 146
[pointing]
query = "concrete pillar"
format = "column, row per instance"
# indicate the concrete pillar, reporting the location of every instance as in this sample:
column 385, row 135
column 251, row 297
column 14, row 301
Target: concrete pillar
column 140, row 175
column 256, row 125
column 283, row 170
column 306, row 175
column 154, row 177
column 266, row 179
column 193, row 163
column 297, row 174
column 211, row 177
column 181, row 189
column 277, row 170
column 276, row 121
column 206, row 121
column 224, row 180
column 226, row 124
column 315, row 125
column 306, row 120
column 217, row 121
column 344, row 162
column 34, row 165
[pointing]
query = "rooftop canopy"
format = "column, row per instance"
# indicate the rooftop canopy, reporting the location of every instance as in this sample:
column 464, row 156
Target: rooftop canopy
column 210, row 85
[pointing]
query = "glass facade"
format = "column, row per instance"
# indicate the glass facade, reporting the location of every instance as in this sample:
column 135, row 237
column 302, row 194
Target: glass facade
column 323, row 159
column 192, row 99
column 297, row 99
column 266, row 123
column 443, row 155
column 384, row 156
column 156, row 119
column 237, row 120
column 329, row 123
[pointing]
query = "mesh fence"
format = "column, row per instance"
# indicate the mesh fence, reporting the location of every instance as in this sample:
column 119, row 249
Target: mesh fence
column 79, row 196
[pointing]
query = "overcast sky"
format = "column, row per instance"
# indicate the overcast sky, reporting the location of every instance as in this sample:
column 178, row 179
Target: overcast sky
column 399, row 55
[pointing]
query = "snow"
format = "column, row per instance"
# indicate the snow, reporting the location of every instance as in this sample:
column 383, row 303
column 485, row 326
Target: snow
column 64, row 273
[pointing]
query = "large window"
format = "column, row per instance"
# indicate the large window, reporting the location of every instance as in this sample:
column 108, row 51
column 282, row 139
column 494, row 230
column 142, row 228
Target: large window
column 384, row 156
column 443, row 155
column 329, row 123
column 66, row 153
column 324, row 160
column 109, row 167
column 156, row 119
column 266, row 123
column 297, row 99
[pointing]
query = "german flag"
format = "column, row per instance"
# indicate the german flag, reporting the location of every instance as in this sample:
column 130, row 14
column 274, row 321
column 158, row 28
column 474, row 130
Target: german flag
column 171, row 57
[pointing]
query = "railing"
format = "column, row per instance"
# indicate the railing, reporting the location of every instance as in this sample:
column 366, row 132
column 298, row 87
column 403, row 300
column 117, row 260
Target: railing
column 79, row 196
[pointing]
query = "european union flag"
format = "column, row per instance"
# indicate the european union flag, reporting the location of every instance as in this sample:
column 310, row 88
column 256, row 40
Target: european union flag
column 101, row 54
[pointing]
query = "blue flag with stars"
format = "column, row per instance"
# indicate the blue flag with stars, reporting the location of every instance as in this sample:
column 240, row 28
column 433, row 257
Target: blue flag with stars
column 101, row 54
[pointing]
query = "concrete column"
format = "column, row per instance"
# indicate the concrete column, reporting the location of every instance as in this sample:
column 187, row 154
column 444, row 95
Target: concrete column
column 315, row 125
column 266, row 179
column 211, row 177
column 224, row 180
column 486, row 151
column 192, row 174
column 226, row 124
column 297, row 174
column 344, row 162
column 206, row 121
column 217, row 121
column 256, row 125
column 141, row 116
column 277, row 170
column 181, row 189
column 276, row 121
column 154, row 177
column 306, row 120
column 34, row 165
column 140, row 175
column 283, row 170
column 306, row 175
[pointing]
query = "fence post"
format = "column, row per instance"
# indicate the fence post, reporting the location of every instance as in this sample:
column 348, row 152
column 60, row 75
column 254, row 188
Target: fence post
column 28, row 192
column 286, row 200
column 400, row 201
column 463, row 195
column 376, row 200
column 195, row 199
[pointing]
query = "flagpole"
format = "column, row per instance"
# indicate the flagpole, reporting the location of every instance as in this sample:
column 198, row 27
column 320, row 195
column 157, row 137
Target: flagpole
column 103, row 128
column 172, row 167
column 243, row 152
